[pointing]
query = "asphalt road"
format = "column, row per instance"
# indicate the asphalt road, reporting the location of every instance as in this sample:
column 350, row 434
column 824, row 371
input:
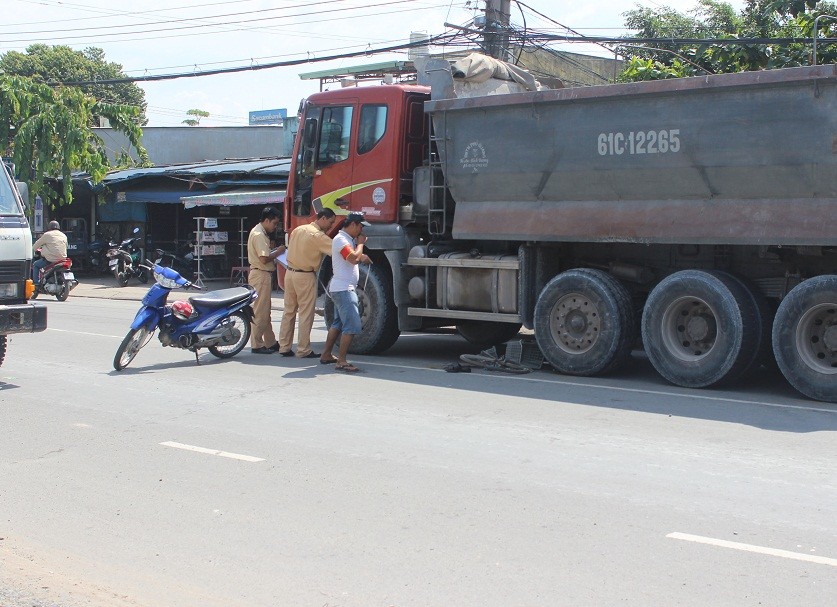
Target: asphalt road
column 263, row 481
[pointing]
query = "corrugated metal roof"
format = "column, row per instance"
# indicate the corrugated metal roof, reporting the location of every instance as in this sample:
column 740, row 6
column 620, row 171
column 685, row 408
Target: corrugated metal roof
column 257, row 167
column 230, row 199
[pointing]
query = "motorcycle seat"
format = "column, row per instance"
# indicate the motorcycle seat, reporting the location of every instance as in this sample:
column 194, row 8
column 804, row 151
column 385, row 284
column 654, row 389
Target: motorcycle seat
column 222, row 297
column 53, row 264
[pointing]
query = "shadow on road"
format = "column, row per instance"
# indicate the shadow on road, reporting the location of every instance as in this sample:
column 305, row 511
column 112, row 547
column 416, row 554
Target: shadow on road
column 761, row 399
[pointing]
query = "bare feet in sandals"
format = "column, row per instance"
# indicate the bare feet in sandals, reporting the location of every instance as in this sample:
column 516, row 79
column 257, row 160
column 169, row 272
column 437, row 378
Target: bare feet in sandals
column 346, row 367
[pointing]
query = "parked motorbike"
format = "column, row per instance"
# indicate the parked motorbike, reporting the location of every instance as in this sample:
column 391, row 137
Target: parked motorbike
column 218, row 320
column 97, row 258
column 55, row 279
column 182, row 264
column 125, row 261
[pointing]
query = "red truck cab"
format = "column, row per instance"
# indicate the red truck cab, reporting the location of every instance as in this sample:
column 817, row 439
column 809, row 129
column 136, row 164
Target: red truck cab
column 355, row 151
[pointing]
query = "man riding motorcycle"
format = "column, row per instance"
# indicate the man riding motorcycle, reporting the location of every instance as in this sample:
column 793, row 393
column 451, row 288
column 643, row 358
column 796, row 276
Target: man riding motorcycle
column 53, row 245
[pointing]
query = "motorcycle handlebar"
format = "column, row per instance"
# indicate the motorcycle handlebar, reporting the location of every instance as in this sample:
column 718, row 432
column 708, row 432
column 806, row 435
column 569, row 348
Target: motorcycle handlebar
column 149, row 265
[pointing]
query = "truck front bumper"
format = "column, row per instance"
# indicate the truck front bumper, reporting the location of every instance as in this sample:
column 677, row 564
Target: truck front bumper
column 23, row 318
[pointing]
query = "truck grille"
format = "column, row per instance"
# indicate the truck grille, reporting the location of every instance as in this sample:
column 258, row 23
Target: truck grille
column 13, row 271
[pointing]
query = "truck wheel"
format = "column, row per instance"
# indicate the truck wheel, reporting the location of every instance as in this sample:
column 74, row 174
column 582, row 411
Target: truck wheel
column 487, row 333
column 378, row 313
column 765, row 312
column 700, row 328
column 585, row 322
column 805, row 337
column 3, row 343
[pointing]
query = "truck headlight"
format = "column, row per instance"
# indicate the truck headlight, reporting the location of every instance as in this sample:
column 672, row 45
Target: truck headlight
column 8, row 290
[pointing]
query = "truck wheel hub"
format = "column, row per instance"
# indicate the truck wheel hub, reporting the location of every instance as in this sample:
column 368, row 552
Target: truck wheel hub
column 576, row 323
column 699, row 328
column 829, row 338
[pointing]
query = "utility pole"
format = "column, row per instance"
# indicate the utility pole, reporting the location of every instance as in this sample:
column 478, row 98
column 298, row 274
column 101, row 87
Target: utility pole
column 496, row 38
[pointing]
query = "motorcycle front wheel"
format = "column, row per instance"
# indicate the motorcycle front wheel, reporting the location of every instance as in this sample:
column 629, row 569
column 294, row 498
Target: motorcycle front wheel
column 130, row 346
column 239, row 326
column 142, row 275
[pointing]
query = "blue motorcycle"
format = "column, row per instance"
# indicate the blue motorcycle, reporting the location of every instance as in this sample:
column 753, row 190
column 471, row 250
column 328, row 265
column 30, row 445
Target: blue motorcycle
column 217, row 320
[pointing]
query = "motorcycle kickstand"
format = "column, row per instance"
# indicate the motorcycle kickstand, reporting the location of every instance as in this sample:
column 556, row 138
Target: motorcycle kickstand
column 197, row 360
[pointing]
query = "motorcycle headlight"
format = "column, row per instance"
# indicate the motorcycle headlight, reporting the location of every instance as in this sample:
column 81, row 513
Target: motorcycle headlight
column 168, row 283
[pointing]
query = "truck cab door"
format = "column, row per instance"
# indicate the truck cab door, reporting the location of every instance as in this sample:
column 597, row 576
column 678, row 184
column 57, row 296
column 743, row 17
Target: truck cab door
column 335, row 161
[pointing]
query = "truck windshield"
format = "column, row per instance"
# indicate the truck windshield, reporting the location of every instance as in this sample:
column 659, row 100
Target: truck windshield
column 8, row 202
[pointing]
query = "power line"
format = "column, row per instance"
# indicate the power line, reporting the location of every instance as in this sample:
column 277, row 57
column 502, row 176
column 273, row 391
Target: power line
column 116, row 12
column 204, row 25
column 203, row 18
column 443, row 38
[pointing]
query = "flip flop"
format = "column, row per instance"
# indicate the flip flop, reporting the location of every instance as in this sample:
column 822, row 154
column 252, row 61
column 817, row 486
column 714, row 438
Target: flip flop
column 328, row 362
column 346, row 368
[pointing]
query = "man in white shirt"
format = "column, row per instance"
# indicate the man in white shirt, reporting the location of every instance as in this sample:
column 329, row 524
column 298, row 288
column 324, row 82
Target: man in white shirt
column 346, row 254
column 53, row 246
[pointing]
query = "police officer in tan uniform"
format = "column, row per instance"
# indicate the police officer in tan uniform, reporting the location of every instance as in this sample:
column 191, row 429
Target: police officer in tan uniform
column 262, row 267
column 306, row 247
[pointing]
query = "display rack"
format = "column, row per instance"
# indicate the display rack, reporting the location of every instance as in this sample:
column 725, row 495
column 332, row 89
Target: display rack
column 202, row 249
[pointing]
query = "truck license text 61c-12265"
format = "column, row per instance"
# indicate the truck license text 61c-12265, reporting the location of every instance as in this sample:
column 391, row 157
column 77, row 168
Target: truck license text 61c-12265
column 639, row 142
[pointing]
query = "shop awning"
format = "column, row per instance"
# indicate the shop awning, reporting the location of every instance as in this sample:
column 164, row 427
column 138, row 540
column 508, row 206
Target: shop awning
column 235, row 199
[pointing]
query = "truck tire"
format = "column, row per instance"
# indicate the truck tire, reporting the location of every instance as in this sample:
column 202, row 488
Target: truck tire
column 487, row 333
column 3, row 344
column 805, row 337
column 378, row 313
column 585, row 322
column 701, row 328
column 765, row 312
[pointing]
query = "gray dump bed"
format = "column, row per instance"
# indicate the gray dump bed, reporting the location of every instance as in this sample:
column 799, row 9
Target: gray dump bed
column 738, row 159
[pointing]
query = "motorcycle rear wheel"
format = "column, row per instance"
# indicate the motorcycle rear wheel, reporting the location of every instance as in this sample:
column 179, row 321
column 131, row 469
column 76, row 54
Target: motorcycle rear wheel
column 130, row 346
column 242, row 325
column 122, row 279
column 64, row 292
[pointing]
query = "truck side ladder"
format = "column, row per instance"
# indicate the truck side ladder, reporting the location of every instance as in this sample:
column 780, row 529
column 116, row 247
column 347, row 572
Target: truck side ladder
column 437, row 215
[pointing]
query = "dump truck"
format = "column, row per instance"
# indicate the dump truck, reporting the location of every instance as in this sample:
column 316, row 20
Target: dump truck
column 694, row 218
column 17, row 315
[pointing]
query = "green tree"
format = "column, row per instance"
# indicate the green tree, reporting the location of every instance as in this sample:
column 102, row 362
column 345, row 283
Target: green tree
column 61, row 64
column 48, row 132
column 196, row 117
column 713, row 19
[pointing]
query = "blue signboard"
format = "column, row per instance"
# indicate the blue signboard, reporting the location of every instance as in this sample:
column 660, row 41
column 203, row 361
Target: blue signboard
column 268, row 117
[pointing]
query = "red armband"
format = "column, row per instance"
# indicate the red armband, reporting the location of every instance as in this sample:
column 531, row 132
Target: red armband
column 346, row 251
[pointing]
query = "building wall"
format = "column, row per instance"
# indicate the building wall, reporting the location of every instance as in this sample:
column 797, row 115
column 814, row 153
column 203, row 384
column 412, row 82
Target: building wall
column 573, row 69
column 178, row 145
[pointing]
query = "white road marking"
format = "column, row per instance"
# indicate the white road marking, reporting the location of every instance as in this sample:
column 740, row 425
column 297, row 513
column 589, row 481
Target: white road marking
column 85, row 333
column 786, row 554
column 244, row 458
column 720, row 399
